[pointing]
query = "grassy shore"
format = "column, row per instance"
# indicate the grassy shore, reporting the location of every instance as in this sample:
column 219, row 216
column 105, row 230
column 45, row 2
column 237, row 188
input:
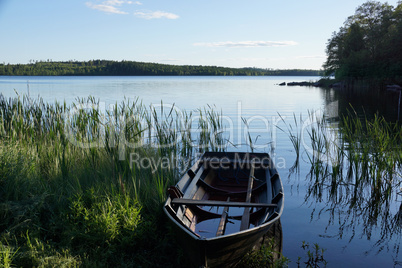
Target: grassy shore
column 69, row 194
column 82, row 187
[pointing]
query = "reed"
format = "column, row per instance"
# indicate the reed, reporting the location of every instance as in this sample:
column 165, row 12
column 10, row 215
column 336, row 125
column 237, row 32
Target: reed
column 355, row 171
column 83, row 186
column 295, row 135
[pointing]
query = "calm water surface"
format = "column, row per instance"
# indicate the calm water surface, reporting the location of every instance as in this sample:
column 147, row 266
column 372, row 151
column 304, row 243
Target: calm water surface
column 349, row 239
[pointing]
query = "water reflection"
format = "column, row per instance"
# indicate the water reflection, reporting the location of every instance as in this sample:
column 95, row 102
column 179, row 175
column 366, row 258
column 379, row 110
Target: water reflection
column 370, row 102
column 359, row 209
column 275, row 234
column 367, row 103
column 355, row 173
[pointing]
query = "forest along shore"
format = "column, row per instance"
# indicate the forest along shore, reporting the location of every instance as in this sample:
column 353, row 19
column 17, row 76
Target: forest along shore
column 134, row 68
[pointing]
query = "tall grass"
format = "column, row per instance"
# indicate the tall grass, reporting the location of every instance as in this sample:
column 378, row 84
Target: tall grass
column 295, row 135
column 81, row 185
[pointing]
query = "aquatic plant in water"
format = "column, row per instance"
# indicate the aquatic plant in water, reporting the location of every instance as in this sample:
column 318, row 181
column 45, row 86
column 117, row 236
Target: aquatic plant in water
column 356, row 173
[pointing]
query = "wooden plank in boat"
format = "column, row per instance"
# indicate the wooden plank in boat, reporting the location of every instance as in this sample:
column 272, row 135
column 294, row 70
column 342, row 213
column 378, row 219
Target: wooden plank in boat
column 245, row 220
column 187, row 178
column 190, row 216
column 192, row 188
column 199, row 194
column 218, row 161
column 222, row 223
column 215, row 203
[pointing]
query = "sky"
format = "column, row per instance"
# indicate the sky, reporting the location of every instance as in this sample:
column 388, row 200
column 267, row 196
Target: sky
column 276, row 34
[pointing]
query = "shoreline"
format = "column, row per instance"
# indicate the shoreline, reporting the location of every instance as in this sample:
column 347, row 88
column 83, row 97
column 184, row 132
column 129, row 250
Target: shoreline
column 333, row 83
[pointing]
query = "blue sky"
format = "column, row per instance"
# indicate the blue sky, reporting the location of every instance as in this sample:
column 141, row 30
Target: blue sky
column 255, row 33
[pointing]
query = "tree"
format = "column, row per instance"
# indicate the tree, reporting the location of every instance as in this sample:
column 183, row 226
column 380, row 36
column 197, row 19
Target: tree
column 365, row 46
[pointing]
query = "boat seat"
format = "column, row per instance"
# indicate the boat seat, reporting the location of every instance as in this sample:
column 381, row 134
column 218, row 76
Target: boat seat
column 220, row 161
column 216, row 203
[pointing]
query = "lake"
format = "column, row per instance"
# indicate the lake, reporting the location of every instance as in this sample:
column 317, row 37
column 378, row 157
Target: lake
column 259, row 108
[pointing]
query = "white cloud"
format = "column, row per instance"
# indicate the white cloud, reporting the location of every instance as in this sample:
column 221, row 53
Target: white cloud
column 138, row 3
column 105, row 8
column 109, row 6
column 116, row 2
column 155, row 15
column 247, row 44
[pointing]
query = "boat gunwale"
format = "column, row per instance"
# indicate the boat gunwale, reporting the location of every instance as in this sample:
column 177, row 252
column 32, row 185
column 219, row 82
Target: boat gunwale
column 280, row 206
column 249, row 230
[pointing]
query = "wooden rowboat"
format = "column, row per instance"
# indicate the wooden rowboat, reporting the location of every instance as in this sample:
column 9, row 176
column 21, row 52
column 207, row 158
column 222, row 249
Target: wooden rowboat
column 224, row 205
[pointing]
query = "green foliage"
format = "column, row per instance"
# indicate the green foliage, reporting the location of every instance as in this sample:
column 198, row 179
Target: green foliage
column 369, row 44
column 37, row 253
column 265, row 257
column 106, row 67
column 7, row 255
column 108, row 218
column 315, row 257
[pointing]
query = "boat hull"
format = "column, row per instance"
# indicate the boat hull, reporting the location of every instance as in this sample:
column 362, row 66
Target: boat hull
column 227, row 249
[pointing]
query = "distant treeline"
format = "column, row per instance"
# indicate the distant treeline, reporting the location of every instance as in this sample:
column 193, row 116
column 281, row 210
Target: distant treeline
column 368, row 46
column 107, row 67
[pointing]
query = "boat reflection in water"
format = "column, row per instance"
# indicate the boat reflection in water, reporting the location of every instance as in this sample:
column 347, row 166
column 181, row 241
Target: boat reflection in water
column 225, row 205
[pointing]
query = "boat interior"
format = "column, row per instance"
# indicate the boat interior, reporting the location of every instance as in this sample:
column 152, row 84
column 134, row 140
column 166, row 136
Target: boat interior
column 215, row 200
